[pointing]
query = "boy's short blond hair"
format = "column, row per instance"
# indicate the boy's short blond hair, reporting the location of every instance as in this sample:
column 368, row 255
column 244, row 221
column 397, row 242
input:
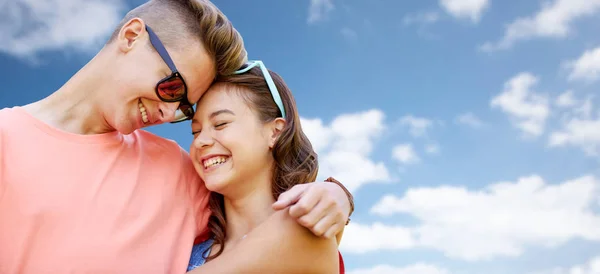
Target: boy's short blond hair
column 177, row 22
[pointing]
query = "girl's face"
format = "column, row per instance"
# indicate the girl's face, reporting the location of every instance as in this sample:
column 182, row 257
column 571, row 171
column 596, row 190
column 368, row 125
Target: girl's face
column 231, row 145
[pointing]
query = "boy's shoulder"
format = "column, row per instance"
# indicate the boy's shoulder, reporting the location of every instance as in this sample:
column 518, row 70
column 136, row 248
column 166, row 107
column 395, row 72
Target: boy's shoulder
column 6, row 115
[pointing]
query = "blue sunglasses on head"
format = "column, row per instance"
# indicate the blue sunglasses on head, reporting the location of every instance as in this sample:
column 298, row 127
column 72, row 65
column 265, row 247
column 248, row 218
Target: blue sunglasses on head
column 268, row 79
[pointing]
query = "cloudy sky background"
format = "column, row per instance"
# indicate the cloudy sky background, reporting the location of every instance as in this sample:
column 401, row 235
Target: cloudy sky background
column 468, row 130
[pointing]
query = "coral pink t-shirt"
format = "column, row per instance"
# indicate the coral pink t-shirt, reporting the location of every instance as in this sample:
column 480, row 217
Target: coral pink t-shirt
column 107, row 203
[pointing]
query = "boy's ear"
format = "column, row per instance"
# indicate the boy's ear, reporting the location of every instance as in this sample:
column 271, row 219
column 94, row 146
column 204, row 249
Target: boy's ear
column 130, row 34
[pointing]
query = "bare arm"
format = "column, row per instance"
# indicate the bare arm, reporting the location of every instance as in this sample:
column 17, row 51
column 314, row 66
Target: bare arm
column 323, row 207
column 279, row 245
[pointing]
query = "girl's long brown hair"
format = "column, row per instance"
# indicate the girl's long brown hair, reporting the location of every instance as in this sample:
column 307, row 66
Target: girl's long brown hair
column 295, row 160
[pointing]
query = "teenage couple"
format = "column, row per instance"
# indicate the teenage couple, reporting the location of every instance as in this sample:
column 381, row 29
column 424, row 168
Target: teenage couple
column 83, row 189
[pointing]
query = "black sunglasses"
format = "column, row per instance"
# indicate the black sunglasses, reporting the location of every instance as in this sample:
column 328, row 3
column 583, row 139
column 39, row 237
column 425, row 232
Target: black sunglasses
column 172, row 88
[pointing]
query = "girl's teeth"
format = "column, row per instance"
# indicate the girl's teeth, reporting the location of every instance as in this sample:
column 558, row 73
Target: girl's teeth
column 214, row 161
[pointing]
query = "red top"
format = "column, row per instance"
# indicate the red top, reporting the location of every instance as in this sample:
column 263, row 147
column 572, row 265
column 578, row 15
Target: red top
column 342, row 269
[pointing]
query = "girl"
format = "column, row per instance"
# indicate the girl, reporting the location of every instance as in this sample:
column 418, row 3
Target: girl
column 248, row 148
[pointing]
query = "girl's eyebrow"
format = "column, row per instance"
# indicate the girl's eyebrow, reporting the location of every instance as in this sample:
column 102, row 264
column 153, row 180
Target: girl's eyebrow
column 212, row 115
column 222, row 111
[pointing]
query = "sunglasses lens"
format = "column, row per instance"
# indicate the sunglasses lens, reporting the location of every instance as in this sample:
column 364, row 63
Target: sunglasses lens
column 185, row 112
column 171, row 89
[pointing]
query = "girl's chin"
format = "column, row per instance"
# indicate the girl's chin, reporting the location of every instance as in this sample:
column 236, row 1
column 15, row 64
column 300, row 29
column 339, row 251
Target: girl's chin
column 215, row 185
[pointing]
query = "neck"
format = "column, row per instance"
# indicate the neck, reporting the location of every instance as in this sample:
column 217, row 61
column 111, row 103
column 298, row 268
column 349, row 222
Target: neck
column 74, row 107
column 245, row 212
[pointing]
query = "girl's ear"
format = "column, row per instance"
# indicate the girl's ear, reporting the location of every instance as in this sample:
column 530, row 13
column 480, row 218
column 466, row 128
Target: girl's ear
column 275, row 128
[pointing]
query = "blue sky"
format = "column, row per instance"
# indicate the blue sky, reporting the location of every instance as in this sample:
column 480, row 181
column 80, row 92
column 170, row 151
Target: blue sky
column 468, row 130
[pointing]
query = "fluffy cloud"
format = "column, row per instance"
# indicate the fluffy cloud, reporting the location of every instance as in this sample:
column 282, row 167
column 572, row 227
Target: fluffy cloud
column 417, row 126
column 360, row 238
column 527, row 109
column 586, row 67
column 319, row 9
column 405, row 154
column 583, row 133
column 590, row 267
column 30, row 26
column 571, row 107
column 469, row 119
column 554, row 20
column 465, row 9
column 418, row 268
column 566, row 99
column 344, row 148
column 502, row 219
column 579, row 128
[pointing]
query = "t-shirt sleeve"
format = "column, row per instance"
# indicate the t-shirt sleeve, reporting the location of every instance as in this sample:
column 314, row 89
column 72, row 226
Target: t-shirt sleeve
column 2, row 151
column 199, row 196
column 1, row 160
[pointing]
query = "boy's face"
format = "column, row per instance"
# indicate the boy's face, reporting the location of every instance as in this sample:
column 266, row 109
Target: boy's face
column 134, row 104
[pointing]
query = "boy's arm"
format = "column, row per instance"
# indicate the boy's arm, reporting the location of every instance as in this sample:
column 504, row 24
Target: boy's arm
column 278, row 245
column 323, row 207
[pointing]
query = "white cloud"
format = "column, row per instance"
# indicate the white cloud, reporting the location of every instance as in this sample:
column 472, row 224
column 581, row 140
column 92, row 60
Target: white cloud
column 319, row 134
column 584, row 133
column 29, row 26
column 360, row 239
column 554, row 20
column 571, row 107
column 566, row 99
column 344, row 149
column 469, row 119
column 590, row 267
column 405, row 154
column 465, row 9
column 527, row 109
column 418, row 268
column 578, row 126
column 586, row 67
column 502, row 219
column 417, row 126
column 422, row 18
column 319, row 9
column 584, row 110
